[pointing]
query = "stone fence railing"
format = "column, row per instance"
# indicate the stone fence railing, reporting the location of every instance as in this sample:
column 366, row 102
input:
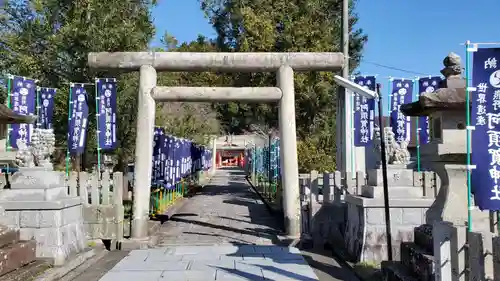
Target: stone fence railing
column 102, row 199
column 331, row 187
column 478, row 259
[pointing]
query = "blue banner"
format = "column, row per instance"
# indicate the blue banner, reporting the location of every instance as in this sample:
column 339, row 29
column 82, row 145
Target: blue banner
column 22, row 101
column 486, row 136
column 171, row 162
column 78, row 123
column 182, row 157
column 364, row 112
column 166, row 163
column 155, row 174
column 46, row 104
column 106, row 112
column 402, row 93
column 175, row 158
column 426, row 85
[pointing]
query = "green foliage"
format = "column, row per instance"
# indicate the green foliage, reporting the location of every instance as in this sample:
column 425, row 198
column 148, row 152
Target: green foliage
column 49, row 40
column 189, row 120
column 313, row 157
column 286, row 26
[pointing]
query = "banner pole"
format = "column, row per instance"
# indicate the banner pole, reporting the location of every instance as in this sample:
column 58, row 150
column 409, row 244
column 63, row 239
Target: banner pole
column 389, row 102
column 97, row 113
column 383, row 159
column 353, row 149
column 38, row 123
column 417, row 121
column 468, row 138
column 69, row 124
column 9, row 90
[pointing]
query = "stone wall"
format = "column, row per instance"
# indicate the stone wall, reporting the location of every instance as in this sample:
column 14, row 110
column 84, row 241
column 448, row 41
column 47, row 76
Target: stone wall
column 104, row 222
column 56, row 226
column 365, row 234
column 335, row 210
column 328, row 223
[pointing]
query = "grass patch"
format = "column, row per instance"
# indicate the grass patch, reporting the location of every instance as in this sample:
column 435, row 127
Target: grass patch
column 368, row 271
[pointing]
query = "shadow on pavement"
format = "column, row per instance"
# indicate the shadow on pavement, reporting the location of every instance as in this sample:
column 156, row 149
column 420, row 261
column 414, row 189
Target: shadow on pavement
column 257, row 232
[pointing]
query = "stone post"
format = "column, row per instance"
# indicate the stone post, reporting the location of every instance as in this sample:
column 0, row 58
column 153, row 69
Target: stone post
column 143, row 152
column 359, row 158
column 290, row 168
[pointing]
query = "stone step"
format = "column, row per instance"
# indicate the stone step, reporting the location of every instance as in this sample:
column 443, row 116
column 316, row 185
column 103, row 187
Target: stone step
column 34, row 194
column 28, row 271
column 377, row 191
column 396, row 271
column 423, row 237
column 417, row 260
column 16, row 255
column 396, row 176
column 8, row 236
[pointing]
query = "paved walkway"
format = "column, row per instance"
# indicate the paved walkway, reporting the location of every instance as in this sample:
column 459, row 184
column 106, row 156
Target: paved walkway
column 227, row 211
column 224, row 233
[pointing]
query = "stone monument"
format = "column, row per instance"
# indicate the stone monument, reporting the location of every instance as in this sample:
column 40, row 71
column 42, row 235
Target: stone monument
column 366, row 237
column 38, row 203
column 399, row 172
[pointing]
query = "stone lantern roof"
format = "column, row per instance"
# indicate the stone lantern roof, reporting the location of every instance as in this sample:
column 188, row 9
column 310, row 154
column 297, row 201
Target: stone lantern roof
column 8, row 116
column 449, row 97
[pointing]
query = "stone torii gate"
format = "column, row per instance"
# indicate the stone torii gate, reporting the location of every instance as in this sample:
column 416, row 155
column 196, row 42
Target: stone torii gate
column 148, row 63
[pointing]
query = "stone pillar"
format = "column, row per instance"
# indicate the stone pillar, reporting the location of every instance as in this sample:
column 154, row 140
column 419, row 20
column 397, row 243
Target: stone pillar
column 288, row 136
column 339, row 130
column 214, row 155
column 143, row 152
column 344, row 132
column 360, row 159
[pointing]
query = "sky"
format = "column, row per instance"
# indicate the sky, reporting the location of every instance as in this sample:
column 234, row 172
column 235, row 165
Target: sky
column 410, row 35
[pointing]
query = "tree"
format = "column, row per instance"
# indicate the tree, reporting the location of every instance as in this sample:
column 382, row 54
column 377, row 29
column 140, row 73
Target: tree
column 49, row 40
column 285, row 26
column 188, row 120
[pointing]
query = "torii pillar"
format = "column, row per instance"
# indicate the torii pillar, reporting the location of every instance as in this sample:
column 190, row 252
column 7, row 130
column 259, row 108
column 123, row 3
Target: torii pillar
column 283, row 64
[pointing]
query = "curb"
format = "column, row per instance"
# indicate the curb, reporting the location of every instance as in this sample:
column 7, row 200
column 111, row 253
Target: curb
column 268, row 206
column 57, row 273
column 342, row 262
column 277, row 214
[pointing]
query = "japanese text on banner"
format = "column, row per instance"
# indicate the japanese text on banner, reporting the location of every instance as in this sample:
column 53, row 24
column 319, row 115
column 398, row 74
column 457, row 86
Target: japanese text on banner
column 170, row 163
column 364, row 112
column 402, row 93
column 107, row 112
column 426, row 85
column 177, row 162
column 46, row 104
column 78, row 124
column 22, row 99
column 486, row 135
column 155, row 173
column 164, row 160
